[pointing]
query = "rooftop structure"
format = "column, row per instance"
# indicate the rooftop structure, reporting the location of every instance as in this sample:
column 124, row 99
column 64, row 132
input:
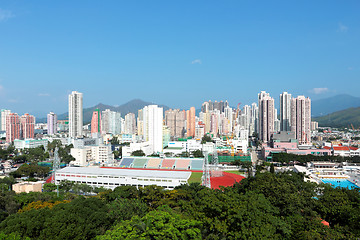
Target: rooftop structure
column 162, row 163
column 113, row 177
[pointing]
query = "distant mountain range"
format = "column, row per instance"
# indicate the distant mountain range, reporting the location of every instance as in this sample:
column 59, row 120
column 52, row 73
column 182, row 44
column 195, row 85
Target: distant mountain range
column 334, row 104
column 343, row 118
column 131, row 106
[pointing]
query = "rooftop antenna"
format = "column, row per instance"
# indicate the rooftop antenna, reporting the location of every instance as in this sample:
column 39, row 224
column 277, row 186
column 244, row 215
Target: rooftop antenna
column 56, row 163
column 206, row 172
column 215, row 171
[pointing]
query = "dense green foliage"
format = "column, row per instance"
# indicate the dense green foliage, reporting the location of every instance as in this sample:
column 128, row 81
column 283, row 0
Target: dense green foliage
column 81, row 218
column 38, row 154
column 205, row 139
column 159, row 224
column 6, row 153
column 287, row 158
column 197, row 154
column 64, row 151
column 31, row 170
column 267, row 206
column 138, row 153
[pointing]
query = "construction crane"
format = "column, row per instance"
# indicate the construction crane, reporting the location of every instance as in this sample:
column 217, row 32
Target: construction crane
column 231, row 145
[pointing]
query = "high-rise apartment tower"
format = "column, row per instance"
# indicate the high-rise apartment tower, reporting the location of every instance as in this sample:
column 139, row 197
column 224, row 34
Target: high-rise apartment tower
column 75, row 114
column 285, row 111
column 51, row 123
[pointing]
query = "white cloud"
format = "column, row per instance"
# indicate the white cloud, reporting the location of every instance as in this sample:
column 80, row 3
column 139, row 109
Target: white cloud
column 196, row 61
column 44, row 95
column 319, row 90
column 342, row 28
column 5, row 15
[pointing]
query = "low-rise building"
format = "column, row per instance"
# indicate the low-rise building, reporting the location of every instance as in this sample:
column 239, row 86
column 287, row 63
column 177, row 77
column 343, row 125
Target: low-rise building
column 27, row 187
column 30, row 143
column 285, row 142
column 146, row 147
column 113, row 177
column 343, row 151
column 98, row 155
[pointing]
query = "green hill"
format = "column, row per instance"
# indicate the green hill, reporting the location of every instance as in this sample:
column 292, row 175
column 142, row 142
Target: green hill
column 339, row 119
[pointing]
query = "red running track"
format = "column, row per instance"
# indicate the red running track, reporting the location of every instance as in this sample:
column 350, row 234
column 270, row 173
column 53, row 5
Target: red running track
column 228, row 179
column 49, row 180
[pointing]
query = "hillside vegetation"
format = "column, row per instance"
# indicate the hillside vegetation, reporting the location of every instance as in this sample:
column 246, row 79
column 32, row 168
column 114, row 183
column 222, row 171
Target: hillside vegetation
column 325, row 106
column 340, row 119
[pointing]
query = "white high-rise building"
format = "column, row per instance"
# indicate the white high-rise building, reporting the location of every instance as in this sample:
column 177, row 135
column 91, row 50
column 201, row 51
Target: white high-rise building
column 153, row 126
column 285, row 111
column 117, row 123
column 301, row 119
column 140, row 124
column 4, row 113
column 110, row 122
column 75, row 114
column 51, row 123
column 254, row 118
column 122, row 129
column 266, row 116
column 130, row 123
column 276, row 122
column 229, row 116
column 245, row 118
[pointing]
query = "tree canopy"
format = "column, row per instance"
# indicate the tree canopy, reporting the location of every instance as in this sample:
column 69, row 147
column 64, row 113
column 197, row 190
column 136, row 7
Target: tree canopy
column 267, row 206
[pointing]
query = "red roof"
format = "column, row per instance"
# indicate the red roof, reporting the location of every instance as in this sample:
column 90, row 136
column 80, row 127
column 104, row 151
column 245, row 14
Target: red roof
column 341, row 148
column 325, row 223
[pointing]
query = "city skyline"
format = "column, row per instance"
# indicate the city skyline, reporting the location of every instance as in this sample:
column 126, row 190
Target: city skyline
column 165, row 52
column 198, row 106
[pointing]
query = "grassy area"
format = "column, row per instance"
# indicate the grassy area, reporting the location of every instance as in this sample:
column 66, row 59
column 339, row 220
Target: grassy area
column 195, row 177
column 236, row 172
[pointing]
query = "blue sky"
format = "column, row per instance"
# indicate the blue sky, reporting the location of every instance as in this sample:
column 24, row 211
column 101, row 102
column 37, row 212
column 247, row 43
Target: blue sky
column 178, row 53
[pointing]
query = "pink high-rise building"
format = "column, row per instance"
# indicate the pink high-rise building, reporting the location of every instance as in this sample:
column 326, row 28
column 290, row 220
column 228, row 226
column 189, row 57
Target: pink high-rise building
column 190, row 122
column 27, row 122
column 214, row 122
column 266, row 116
column 12, row 127
column 96, row 122
column 175, row 120
column 301, row 119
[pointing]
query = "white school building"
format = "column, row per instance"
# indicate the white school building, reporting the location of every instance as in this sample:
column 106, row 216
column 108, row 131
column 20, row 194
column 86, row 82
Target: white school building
column 113, row 177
